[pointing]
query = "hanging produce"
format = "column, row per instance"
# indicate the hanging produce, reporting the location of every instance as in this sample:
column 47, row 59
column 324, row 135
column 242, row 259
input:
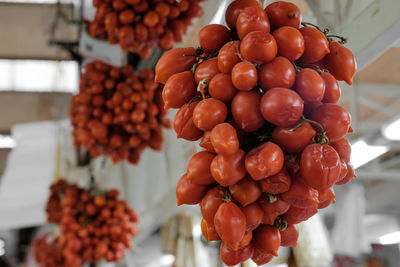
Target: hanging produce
column 118, row 113
column 261, row 97
column 141, row 25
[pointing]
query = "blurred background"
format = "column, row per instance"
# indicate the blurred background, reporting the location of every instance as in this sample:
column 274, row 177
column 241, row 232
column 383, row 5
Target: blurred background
column 42, row 50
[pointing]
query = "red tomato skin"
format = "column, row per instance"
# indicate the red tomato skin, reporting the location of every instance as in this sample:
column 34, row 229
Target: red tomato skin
column 230, row 224
column 267, row 239
column 179, row 89
column 310, row 107
column 254, row 215
column 212, row 36
column 310, row 85
column 246, row 191
column 343, row 148
column 258, row 47
column 209, row 232
column 228, row 56
column 264, row 161
column 290, row 42
column 276, row 184
column 224, row 139
column 246, row 110
column 316, row 46
column 293, row 141
column 251, row 19
column 244, row 76
column 205, row 142
column 290, row 236
column 261, row 258
column 211, row 202
column 206, row 70
column 230, row 169
column 326, row 198
column 282, row 107
column 221, row 88
column 198, row 168
column 283, row 13
column 174, row 61
column 273, row 210
column 332, row 88
column 183, row 123
column 297, row 215
column 231, row 257
column 341, row 62
column 208, row 113
column 234, row 9
column 188, row 192
column 277, row 73
column 350, row 175
column 301, row 195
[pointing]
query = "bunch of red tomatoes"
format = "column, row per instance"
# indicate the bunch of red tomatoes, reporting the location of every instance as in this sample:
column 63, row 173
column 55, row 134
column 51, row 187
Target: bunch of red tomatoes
column 118, row 113
column 141, row 25
column 261, row 96
column 93, row 226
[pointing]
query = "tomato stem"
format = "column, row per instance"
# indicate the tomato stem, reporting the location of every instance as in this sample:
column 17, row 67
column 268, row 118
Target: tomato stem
column 203, row 84
column 194, row 99
column 314, row 66
column 342, row 40
column 297, row 68
column 307, row 24
column 281, row 224
column 319, row 138
column 272, row 198
column 227, row 197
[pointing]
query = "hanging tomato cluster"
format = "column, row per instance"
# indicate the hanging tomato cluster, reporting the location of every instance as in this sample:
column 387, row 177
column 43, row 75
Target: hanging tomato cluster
column 141, row 25
column 93, row 226
column 261, row 97
column 118, row 113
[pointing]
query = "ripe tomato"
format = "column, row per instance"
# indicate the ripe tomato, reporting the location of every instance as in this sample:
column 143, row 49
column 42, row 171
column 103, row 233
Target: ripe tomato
column 264, row 160
column 343, row 148
column 290, row 42
column 350, row 175
column 310, row 107
column 246, row 191
column 213, row 36
column 326, row 198
column 230, row 224
column 277, row 73
column 151, row 18
column 301, row 195
column 283, row 13
column 296, row 140
column 221, row 87
column 174, row 61
column 289, row 236
column 297, row 215
column 211, row 202
column 282, row 107
column 261, row 258
column 231, row 257
column 341, row 62
column 248, row 236
column 224, row 139
column 332, row 88
column 99, row 131
column 273, row 210
column 127, row 16
column 208, row 113
column 179, row 89
column 161, row 8
column 267, row 239
column 246, row 110
column 206, row 70
column 205, row 142
column 188, row 192
column 228, row 56
column 334, row 119
column 198, row 168
column 276, row 184
column 343, row 170
column 183, row 123
column 228, row 170
column 244, row 76
column 251, row 19
column 310, row 85
column 254, row 215
column 258, row 47
column 316, row 46
column 234, row 9
column 209, row 232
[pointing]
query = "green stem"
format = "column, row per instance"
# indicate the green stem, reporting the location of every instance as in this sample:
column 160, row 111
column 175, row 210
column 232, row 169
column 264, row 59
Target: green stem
column 321, row 137
column 307, row 24
column 342, row 40
column 281, row 224
column 314, row 66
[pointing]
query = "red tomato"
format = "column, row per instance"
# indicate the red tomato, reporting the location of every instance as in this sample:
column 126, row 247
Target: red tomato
column 244, row 76
column 277, row 73
column 289, row 236
column 127, row 16
column 228, row 170
column 248, row 236
column 258, row 47
column 174, row 61
column 198, row 168
column 326, row 198
column 261, row 258
column 264, row 160
column 233, row 257
column 213, row 36
column 179, row 89
column 301, row 195
column 254, row 215
column 234, row 9
column 206, row 70
column 209, row 232
column 251, row 19
column 161, row 8
column 350, row 175
column 228, row 56
column 282, row 107
column 224, row 139
column 246, row 191
column 211, row 202
column 188, row 192
column 221, row 87
column 273, row 210
column 290, row 42
column 296, row 140
column 118, row 5
column 343, row 170
column 334, row 119
column 341, row 62
column 183, row 123
column 283, row 13
column 297, row 215
column 310, row 85
column 310, row 107
column 278, row 183
column 151, row 19
column 316, row 46
column 267, row 239
column 208, row 113
column 343, row 148
column 230, row 224
column 332, row 88
column 246, row 110
column 205, row 142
